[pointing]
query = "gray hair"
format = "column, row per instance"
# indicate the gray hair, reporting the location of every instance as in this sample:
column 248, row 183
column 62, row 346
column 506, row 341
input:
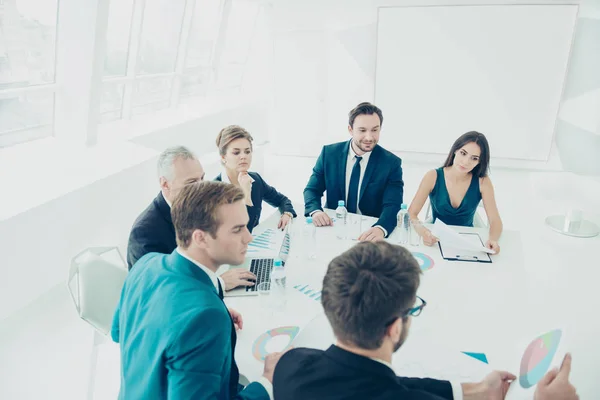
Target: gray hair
column 168, row 157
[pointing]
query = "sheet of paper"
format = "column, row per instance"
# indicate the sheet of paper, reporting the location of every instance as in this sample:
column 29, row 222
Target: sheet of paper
column 459, row 253
column 537, row 357
column 449, row 237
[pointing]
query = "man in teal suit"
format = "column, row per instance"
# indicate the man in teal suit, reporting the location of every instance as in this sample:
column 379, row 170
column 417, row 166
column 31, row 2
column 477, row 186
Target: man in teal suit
column 176, row 335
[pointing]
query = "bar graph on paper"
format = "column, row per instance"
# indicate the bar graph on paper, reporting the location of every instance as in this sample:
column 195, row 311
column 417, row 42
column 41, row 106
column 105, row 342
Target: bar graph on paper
column 309, row 291
column 267, row 240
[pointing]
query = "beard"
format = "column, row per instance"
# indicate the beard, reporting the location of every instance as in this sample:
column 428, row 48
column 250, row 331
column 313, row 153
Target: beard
column 363, row 148
column 401, row 340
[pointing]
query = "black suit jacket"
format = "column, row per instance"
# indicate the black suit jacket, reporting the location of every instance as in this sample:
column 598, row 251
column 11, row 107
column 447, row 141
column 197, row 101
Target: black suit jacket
column 381, row 190
column 333, row 374
column 152, row 232
column 262, row 191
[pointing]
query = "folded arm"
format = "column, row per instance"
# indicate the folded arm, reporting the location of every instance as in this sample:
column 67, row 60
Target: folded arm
column 276, row 199
column 197, row 358
column 313, row 192
column 392, row 198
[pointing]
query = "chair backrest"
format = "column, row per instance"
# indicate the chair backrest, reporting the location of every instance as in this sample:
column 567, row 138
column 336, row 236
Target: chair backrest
column 95, row 281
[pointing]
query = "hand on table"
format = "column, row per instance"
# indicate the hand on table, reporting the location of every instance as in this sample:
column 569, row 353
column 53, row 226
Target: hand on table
column 493, row 245
column 555, row 384
column 320, row 218
column 373, row 234
column 238, row 322
column 283, row 221
column 428, row 238
column 238, row 277
column 270, row 363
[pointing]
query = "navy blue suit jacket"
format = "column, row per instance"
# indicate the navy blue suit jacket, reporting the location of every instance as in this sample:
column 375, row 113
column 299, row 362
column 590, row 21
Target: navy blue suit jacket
column 381, row 191
column 337, row 374
column 152, row 232
column 262, row 191
column 176, row 337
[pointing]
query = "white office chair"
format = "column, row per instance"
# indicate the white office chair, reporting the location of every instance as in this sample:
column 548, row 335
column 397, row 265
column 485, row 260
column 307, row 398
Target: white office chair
column 95, row 281
column 479, row 219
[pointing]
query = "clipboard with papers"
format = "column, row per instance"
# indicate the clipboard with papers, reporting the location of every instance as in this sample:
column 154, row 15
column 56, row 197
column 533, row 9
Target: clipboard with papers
column 457, row 246
column 456, row 254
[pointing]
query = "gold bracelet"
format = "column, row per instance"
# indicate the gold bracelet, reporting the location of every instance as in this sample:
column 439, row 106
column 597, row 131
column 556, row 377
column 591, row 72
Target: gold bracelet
column 289, row 214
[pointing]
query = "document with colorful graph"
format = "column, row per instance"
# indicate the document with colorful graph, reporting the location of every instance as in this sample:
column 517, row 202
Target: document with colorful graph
column 539, row 356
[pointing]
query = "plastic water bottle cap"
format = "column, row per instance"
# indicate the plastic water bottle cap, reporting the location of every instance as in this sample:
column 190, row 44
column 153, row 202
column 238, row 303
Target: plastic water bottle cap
column 309, row 220
column 277, row 263
column 341, row 203
column 403, row 206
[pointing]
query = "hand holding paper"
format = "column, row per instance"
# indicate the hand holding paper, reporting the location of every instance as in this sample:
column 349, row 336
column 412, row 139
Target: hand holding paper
column 451, row 238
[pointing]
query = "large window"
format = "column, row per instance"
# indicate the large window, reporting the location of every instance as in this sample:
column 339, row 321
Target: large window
column 157, row 54
column 27, row 69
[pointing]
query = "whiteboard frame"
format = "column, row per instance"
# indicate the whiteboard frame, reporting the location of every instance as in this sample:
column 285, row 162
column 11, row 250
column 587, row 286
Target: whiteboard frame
column 516, row 162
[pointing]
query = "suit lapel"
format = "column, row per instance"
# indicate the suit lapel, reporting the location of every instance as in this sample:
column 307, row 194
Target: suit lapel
column 341, row 173
column 373, row 161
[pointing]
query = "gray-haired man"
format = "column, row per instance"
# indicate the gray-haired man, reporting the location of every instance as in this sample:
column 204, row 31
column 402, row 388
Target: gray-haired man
column 153, row 230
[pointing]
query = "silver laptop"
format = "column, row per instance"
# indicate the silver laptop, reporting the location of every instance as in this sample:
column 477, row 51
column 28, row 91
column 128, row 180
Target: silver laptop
column 264, row 249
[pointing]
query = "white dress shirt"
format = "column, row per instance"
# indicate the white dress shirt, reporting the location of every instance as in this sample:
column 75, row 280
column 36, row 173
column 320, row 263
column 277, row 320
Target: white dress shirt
column 457, row 392
column 363, row 167
column 225, row 177
column 213, row 278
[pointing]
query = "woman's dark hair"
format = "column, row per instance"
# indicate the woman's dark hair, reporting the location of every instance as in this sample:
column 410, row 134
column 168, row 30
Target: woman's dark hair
column 481, row 170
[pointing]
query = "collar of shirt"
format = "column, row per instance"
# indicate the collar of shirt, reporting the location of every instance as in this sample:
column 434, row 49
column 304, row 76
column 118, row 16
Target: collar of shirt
column 352, row 153
column 225, row 177
column 211, row 274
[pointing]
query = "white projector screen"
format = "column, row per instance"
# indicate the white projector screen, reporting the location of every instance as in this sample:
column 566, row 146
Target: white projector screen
column 443, row 71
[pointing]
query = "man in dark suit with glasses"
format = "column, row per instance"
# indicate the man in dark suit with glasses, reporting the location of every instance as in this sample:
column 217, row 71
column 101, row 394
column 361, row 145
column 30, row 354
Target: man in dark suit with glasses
column 369, row 297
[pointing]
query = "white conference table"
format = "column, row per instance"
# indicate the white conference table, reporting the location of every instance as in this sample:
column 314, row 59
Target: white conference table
column 469, row 304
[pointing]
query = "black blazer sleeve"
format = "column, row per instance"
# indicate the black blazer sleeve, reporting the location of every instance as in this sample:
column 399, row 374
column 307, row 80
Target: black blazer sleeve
column 315, row 186
column 274, row 198
column 392, row 197
column 438, row 388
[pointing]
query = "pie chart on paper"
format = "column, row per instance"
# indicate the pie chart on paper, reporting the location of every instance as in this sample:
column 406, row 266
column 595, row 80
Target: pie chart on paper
column 538, row 357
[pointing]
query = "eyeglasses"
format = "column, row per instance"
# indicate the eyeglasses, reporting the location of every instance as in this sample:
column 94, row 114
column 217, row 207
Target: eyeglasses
column 416, row 311
column 412, row 312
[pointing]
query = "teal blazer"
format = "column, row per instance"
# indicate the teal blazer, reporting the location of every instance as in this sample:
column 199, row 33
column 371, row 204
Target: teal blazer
column 176, row 336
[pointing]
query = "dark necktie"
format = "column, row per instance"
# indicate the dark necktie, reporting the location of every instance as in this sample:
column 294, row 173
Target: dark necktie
column 353, row 186
column 220, row 289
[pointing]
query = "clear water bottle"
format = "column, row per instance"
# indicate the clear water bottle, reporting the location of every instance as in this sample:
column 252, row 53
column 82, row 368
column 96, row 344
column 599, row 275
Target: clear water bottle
column 278, row 274
column 310, row 239
column 403, row 225
column 341, row 216
column 278, row 286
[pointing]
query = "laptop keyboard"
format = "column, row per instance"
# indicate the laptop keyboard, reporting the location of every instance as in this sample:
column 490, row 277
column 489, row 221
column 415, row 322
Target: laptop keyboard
column 261, row 267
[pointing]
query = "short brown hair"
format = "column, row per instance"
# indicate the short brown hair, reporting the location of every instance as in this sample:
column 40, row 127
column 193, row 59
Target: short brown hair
column 366, row 288
column 364, row 108
column 197, row 207
column 229, row 134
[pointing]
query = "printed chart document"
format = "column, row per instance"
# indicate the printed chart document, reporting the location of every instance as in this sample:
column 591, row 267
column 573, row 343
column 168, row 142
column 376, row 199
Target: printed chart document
column 460, row 246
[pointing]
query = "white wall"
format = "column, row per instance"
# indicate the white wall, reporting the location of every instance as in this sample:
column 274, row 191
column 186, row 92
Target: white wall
column 37, row 245
column 335, row 41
